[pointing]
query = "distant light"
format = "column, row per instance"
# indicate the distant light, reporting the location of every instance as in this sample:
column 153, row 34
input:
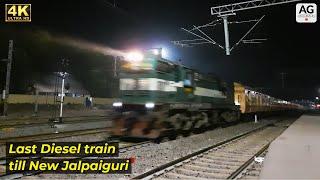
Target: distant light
column 59, row 94
column 117, row 104
column 317, row 98
column 149, row 105
column 134, row 56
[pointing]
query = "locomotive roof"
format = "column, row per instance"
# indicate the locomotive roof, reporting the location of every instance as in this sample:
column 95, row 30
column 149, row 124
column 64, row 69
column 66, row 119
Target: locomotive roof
column 211, row 75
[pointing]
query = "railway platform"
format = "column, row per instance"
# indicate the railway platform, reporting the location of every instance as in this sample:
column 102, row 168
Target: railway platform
column 295, row 154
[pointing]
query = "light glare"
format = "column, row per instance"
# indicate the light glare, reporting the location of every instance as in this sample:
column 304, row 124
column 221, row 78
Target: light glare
column 134, row 56
column 117, row 104
column 149, row 105
column 156, row 52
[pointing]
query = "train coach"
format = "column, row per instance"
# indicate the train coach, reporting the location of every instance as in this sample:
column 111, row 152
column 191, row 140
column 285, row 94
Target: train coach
column 253, row 102
column 160, row 98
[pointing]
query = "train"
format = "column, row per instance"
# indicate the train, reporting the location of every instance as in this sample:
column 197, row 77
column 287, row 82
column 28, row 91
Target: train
column 254, row 102
column 159, row 98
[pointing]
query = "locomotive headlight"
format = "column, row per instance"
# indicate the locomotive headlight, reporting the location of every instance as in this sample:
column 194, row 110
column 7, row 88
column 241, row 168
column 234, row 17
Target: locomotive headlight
column 149, row 105
column 134, row 56
column 117, row 104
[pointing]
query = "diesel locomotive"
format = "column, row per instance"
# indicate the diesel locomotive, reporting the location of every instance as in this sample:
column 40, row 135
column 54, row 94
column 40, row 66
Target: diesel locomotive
column 160, row 98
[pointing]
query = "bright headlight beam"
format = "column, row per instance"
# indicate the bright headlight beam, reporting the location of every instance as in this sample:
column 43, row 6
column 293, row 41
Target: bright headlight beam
column 134, row 56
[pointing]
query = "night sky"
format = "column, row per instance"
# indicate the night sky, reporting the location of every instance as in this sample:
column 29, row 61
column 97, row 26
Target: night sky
column 291, row 48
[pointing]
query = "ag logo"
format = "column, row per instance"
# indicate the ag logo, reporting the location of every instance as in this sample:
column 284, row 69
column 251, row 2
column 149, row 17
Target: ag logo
column 18, row 13
column 306, row 13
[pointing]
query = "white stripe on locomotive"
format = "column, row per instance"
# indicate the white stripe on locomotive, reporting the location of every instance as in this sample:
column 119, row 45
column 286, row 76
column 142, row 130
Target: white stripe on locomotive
column 155, row 84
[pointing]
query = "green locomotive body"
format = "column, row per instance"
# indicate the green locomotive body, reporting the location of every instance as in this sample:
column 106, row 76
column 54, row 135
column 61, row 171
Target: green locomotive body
column 160, row 98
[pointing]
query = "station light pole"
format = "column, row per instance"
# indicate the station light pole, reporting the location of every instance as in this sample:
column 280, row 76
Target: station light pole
column 6, row 91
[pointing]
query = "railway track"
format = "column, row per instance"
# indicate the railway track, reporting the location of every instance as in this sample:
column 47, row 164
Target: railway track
column 45, row 120
column 162, row 171
column 253, row 170
column 48, row 136
column 225, row 160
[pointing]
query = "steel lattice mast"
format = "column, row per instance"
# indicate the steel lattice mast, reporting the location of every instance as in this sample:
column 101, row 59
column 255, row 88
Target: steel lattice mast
column 223, row 12
column 231, row 8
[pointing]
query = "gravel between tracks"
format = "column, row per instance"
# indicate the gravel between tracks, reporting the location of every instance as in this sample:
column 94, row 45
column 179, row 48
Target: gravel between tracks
column 226, row 159
column 155, row 155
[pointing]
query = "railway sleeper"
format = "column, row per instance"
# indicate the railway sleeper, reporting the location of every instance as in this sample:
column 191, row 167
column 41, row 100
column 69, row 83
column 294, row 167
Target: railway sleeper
column 211, row 165
column 207, row 169
column 171, row 175
column 253, row 173
column 230, row 155
column 219, row 162
column 229, row 159
column 201, row 174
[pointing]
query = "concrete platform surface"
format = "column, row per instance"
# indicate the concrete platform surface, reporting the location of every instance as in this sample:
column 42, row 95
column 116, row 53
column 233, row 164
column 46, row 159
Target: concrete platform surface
column 295, row 154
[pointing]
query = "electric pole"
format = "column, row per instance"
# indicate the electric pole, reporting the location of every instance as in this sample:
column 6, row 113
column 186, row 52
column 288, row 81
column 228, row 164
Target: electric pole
column 115, row 66
column 282, row 78
column 223, row 12
column 226, row 34
column 6, row 90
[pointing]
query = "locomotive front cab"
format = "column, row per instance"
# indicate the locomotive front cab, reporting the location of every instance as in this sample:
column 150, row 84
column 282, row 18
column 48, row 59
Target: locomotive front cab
column 158, row 97
column 145, row 87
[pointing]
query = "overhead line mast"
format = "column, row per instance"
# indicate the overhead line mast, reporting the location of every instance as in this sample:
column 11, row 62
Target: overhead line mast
column 231, row 8
column 224, row 12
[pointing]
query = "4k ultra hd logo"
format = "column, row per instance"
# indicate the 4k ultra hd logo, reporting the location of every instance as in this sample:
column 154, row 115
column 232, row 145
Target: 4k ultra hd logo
column 306, row 13
column 18, row 13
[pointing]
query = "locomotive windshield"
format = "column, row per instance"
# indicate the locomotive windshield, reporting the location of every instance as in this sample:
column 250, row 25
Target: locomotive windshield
column 136, row 67
column 188, row 81
column 164, row 67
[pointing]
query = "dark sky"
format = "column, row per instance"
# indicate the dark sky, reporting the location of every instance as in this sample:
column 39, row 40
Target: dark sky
column 291, row 48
